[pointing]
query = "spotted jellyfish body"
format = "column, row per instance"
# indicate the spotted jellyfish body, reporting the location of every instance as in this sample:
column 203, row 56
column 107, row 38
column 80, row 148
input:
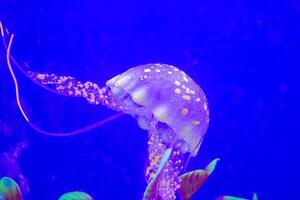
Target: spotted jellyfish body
column 168, row 94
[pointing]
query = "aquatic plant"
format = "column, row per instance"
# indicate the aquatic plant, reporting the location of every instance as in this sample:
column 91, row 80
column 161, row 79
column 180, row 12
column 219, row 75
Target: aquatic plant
column 227, row 197
column 9, row 189
column 76, row 195
column 190, row 183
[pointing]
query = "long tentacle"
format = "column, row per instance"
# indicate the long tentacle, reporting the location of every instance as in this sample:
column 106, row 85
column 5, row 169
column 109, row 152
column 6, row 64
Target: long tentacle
column 78, row 131
column 89, row 97
column 21, row 69
column 65, row 85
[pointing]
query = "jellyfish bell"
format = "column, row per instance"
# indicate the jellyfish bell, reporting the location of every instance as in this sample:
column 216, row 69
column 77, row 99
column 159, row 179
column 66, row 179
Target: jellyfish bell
column 166, row 94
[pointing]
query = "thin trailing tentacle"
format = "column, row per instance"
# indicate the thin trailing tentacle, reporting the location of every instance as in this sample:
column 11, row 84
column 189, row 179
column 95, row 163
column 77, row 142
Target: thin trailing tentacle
column 78, row 131
column 15, row 62
column 63, row 134
column 65, row 85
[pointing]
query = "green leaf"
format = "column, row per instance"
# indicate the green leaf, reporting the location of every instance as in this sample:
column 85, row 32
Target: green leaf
column 76, row 195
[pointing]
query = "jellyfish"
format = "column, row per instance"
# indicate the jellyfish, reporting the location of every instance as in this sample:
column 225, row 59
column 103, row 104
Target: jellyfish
column 227, row 197
column 163, row 99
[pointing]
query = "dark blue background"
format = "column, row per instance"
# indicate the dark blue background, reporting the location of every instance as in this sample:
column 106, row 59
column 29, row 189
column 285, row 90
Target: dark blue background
column 244, row 54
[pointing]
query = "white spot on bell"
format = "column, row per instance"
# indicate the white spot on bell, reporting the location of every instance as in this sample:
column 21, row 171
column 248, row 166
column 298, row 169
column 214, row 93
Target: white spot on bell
column 177, row 91
column 195, row 123
column 147, row 70
column 205, row 106
column 187, row 90
column 185, row 79
column 184, row 111
column 177, row 83
column 186, row 97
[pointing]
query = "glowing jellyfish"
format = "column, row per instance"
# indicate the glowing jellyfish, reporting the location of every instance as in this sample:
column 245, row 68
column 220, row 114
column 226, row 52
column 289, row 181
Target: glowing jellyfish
column 163, row 99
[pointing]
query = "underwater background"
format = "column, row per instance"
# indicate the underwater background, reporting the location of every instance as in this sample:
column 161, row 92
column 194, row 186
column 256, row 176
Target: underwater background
column 243, row 54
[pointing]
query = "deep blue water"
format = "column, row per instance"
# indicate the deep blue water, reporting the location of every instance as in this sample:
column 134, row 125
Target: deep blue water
column 244, row 55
